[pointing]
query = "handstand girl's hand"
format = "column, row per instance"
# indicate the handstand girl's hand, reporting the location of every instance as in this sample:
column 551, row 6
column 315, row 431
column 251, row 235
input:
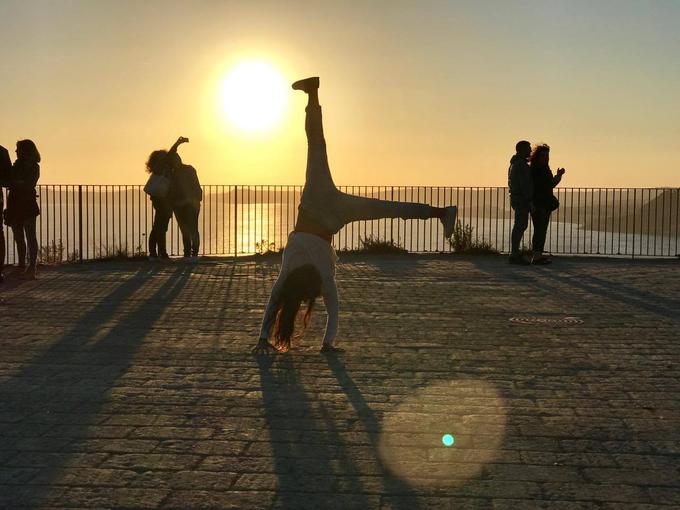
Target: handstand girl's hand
column 263, row 347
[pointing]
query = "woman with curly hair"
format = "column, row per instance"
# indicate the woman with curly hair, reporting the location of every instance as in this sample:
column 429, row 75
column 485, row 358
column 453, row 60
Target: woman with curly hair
column 308, row 265
column 544, row 201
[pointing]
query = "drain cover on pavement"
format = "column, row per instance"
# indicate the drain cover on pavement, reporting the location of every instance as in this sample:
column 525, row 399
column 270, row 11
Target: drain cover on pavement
column 546, row 320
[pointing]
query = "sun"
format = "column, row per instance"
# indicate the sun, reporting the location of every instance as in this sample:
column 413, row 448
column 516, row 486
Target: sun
column 253, row 96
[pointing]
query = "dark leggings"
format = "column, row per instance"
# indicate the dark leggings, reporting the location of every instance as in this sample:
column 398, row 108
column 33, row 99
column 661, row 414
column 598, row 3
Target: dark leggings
column 187, row 218
column 540, row 219
column 2, row 247
column 157, row 237
column 520, row 225
column 27, row 229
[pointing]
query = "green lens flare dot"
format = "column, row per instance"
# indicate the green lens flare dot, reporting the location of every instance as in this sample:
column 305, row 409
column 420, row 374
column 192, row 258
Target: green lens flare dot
column 447, row 439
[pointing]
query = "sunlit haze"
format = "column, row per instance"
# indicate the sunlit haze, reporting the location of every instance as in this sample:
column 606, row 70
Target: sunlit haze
column 414, row 93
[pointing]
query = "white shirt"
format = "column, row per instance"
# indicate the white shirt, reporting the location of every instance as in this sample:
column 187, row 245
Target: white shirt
column 304, row 248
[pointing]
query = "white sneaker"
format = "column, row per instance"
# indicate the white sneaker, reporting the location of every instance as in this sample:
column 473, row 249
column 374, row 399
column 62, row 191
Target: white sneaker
column 449, row 220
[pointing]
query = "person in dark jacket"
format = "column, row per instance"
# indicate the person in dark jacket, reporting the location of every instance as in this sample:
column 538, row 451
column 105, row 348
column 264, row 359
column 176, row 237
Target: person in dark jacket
column 186, row 196
column 5, row 168
column 521, row 197
column 159, row 163
column 22, row 206
column 544, row 201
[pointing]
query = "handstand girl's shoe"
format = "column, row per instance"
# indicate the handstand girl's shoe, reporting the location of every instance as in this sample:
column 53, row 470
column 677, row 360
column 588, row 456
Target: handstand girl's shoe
column 307, row 85
column 449, row 220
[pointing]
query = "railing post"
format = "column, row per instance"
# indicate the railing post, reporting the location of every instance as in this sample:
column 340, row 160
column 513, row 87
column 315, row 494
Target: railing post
column 80, row 222
column 235, row 221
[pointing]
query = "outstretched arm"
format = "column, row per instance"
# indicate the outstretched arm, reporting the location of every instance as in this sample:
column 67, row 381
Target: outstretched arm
column 179, row 142
column 263, row 346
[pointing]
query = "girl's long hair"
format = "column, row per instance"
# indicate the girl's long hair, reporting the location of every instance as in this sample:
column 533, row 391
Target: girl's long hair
column 157, row 162
column 303, row 284
column 27, row 151
column 537, row 151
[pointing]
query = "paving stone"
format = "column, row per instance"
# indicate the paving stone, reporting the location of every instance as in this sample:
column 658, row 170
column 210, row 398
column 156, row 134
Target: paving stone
column 131, row 385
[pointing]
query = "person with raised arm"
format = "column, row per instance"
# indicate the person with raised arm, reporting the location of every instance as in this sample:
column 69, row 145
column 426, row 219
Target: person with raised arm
column 186, row 196
column 308, row 265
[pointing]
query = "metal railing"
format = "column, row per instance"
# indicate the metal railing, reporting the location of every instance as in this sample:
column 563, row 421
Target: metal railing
column 81, row 222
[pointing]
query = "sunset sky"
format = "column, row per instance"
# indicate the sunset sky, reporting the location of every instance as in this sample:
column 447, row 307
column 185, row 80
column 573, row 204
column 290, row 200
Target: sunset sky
column 414, row 92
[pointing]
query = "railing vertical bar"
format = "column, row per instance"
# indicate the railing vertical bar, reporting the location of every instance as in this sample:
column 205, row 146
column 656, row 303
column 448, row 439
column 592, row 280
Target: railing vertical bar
column 634, row 217
column 627, row 216
column 677, row 220
column 663, row 216
column 80, row 223
column 649, row 214
column 578, row 220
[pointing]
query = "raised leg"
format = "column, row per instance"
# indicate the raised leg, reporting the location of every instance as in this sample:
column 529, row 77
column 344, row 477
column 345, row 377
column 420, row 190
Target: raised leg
column 353, row 208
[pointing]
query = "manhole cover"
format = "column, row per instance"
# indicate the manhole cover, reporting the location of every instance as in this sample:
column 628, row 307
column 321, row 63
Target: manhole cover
column 546, row 320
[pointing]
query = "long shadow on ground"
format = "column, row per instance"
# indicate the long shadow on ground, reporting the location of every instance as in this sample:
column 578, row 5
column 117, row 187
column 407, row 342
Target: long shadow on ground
column 304, row 467
column 68, row 385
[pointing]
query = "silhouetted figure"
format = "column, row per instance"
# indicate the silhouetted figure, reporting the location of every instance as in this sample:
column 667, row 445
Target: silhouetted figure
column 5, row 168
column 159, row 165
column 544, row 201
column 22, row 206
column 308, row 266
column 186, row 195
column 521, row 197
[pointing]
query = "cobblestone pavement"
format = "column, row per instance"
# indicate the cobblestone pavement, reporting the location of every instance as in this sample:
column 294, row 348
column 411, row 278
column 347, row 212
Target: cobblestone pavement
column 131, row 385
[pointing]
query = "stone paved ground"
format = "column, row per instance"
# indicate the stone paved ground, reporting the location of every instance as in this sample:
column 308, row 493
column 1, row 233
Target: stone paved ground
column 130, row 385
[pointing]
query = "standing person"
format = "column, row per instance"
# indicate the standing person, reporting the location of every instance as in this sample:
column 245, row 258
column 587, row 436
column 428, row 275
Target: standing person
column 186, row 199
column 521, row 197
column 5, row 167
column 308, row 266
column 22, row 206
column 158, row 164
column 544, row 201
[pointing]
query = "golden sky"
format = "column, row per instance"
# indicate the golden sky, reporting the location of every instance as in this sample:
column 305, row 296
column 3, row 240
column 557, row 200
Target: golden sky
column 414, row 93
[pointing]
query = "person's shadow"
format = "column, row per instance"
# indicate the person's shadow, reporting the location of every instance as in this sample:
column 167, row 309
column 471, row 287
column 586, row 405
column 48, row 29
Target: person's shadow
column 57, row 396
column 308, row 448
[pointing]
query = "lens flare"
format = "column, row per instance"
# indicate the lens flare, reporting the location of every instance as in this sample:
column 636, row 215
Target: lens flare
column 471, row 411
